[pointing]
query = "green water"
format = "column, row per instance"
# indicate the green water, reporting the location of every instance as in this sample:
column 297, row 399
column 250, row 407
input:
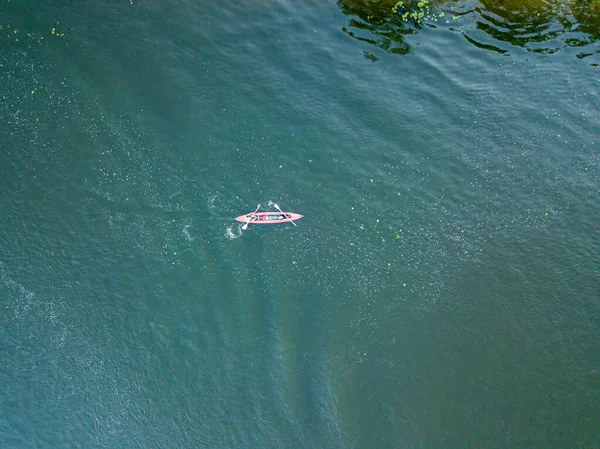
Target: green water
column 441, row 290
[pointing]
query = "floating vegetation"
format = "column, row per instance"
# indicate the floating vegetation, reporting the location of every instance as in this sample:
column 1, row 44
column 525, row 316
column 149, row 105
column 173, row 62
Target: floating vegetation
column 385, row 23
column 417, row 12
column 29, row 38
column 538, row 26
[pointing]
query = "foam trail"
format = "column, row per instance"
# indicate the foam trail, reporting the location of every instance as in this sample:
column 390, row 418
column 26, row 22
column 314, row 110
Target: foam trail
column 231, row 234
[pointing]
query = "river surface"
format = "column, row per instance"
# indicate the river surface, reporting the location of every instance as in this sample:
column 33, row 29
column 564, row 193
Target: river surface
column 441, row 291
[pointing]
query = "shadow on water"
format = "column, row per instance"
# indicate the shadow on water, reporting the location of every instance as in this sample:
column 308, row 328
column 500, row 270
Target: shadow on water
column 538, row 26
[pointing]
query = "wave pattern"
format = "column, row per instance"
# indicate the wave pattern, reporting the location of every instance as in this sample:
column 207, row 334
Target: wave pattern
column 543, row 27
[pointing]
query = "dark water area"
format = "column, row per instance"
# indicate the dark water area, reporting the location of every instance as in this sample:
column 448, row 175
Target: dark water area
column 441, row 290
column 505, row 27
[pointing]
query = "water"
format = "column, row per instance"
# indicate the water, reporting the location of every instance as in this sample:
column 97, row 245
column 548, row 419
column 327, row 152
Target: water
column 441, row 291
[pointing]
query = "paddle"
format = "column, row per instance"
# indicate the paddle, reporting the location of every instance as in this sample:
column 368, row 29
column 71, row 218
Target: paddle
column 277, row 207
column 246, row 224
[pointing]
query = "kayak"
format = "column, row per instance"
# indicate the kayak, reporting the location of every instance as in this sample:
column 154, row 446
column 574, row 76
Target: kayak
column 268, row 217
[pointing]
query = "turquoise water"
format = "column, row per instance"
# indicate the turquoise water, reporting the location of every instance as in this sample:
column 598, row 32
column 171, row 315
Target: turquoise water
column 441, row 290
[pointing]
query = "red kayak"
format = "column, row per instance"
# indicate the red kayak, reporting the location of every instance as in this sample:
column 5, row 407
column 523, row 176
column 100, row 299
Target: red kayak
column 268, row 217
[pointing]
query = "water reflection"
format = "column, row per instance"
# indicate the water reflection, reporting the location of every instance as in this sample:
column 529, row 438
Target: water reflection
column 375, row 23
column 540, row 26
